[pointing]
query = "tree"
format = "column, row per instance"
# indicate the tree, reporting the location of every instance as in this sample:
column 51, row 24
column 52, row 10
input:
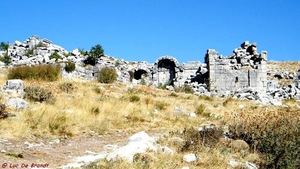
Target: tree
column 4, row 46
column 6, row 58
column 95, row 52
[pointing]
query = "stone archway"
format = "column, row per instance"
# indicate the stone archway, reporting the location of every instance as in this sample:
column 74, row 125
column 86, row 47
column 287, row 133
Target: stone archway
column 137, row 75
column 166, row 69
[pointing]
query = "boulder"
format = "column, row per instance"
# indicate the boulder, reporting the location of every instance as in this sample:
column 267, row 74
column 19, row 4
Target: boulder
column 75, row 52
column 138, row 143
column 17, row 103
column 14, row 84
column 189, row 158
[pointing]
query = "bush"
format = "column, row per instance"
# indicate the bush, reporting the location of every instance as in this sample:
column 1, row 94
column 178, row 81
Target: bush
column 134, row 98
column 39, row 72
column 207, row 98
column 66, row 87
column 55, row 56
column 200, row 110
column 143, row 82
column 70, row 67
column 38, row 94
column 196, row 139
column 185, row 88
column 275, row 135
column 164, row 86
column 173, row 94
column 107, row 75
column 5, row 59
column 29, row 52
column 161, row 105
column 3, row 112
column 58, row 125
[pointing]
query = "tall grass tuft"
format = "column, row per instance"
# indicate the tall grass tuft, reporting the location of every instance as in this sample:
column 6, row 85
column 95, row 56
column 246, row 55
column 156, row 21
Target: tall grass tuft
column 39, row 72
column 275, row 135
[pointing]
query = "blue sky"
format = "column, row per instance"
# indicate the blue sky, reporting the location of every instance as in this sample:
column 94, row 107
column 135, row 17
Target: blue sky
column 143, row 30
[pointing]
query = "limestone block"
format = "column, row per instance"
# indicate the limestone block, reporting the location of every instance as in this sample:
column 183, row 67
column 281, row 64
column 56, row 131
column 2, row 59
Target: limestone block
column 17, row 103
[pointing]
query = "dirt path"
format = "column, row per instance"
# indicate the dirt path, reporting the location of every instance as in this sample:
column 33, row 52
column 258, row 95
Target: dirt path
column 55, row 153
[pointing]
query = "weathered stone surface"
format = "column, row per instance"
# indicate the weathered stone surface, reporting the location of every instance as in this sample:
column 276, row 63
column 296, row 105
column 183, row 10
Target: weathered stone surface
column 189, row 158
column 17, row 103
column 15, row 84
column 138, row 143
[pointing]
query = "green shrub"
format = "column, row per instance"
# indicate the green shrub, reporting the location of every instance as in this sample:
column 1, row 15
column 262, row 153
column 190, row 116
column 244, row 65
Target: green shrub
column 207, row 98
column 173, row 94
column 143, row 82
column 185, row 88
column 39, row 72
column 55, row 56
column 164, row 86
column 161, row 105
column 70, row 67
column 97, row 90
column 3, row 111
column 107, row 75
column 134, row 98
column 29, row 52
column 199, row 139
column 200, row 110
column 58, row 125
column 66, row 87
column 275, row 135
column 5, row 59
column 38, row 94
column 95, row 110
column 117, row 63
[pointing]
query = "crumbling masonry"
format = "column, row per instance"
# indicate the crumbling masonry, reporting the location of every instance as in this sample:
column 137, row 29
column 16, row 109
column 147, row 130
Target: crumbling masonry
column 244, row 68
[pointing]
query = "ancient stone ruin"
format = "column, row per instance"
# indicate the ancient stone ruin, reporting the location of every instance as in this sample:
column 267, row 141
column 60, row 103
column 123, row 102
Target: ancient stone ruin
column 242, row 74
column 243, row 68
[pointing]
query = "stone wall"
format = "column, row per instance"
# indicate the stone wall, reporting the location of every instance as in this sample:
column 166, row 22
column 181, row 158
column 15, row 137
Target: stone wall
column 244, row 68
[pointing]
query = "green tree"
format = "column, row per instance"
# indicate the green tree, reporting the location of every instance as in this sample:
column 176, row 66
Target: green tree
column 5, row 58
column 4, row 46
column 97, row 51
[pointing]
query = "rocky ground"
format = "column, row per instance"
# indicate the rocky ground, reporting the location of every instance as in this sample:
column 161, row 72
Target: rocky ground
column 58, row 152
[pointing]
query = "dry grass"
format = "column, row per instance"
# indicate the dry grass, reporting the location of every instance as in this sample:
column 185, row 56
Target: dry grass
column 103, row 108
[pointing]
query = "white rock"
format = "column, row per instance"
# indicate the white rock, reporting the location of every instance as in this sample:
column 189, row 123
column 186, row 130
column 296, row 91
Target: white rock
column 189, row 158
column 17, row 103
column 241, row 106
column 192, row 114
column 138, row 143
column 75, row 52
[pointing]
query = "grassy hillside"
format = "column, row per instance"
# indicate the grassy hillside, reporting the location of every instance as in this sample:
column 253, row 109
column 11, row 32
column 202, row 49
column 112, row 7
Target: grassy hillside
column 83, row 107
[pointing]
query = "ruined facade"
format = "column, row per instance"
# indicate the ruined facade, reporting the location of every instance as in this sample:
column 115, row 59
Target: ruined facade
column 244, row 68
